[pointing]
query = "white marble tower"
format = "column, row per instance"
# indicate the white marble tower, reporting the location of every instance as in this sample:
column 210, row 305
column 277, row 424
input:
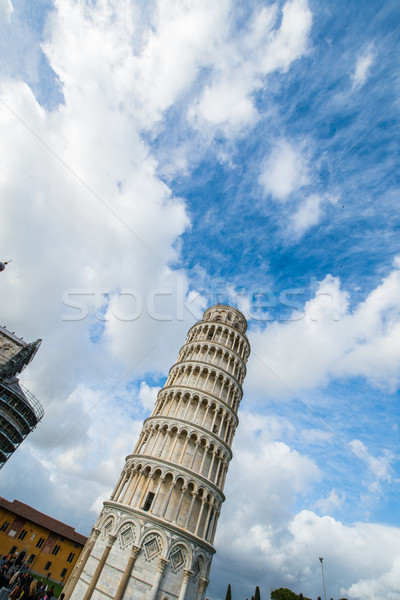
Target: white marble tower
column 154, row 538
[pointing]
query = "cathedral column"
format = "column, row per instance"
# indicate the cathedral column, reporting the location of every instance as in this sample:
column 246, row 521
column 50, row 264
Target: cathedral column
column 197, row 410
column 186, row 577
column 206, row 414
column 127, row 573
column 120, row 481
column 173, row 446
column 164, row 443
column 77, row 570
column 194, row 495
column 146, row 487
column 155, row 441
column 197, row 444
column 99, row 568
column 156, row 494
column 121, row 484
column 207, row 519
column 168, row 499
column 203, row 583
column 162, row 563
column 183, row 492
column 203, row 501
column 134, row 488
column 214, row 454
column 206, row 449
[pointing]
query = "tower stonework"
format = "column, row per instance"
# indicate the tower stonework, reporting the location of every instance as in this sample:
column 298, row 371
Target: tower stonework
column 154, row 538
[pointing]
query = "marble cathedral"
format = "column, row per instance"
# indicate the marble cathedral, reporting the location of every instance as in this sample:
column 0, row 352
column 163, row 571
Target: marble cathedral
column 154, row 538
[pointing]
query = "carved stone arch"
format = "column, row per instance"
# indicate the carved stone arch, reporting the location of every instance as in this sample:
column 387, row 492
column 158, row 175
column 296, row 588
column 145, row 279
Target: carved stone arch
column 179, row 476
column 108, row 525
column 168, row 472
column 128, row 532
column 164, row 427
column 154, row 543
column 147, row 470
column 184, row 429
column 157, row 471
column 180, row 555
column 202, row 492
column 191, row 483
column 174, row 429
column 199, row 566
column 214, row 447
column 194, row 434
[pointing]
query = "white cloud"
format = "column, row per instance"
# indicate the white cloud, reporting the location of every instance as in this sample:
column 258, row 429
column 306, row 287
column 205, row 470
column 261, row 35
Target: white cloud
column 284, row 171
column 362, row 68
column 240, row 67
column 385, row 586
column 281, row 547
column 332, row 502
column 308, row 214
column 6, row 10
column 380, row 467
column 148, row 395
column 330, row 340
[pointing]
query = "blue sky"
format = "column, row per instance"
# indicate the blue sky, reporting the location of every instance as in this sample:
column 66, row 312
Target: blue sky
column 159, row 157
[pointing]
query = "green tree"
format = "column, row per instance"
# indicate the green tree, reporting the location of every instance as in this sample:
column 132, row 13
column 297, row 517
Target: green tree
column 283, row 594
column 257, row 594
column 286, row 594
column 228, row 593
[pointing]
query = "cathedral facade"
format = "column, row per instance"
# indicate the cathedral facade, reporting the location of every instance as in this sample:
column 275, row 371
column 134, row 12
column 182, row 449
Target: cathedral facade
column 154, row 538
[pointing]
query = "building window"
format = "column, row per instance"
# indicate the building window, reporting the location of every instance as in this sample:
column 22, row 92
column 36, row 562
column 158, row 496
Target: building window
column 47, row 566
column 40, row 542
column 5, row 526
column 71, row 557
column 149, row 500
column 63, row 573
column 76, row 545
column 13, row 549
column 55, row 550
column 61, row 539
column 31, row 558
column 22, row 534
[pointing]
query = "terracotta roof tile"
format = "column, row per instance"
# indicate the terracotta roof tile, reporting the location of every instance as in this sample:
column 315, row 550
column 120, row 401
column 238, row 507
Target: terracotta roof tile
column 31, row 514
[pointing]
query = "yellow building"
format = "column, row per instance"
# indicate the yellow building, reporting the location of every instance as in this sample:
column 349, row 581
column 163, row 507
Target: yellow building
column 44, row 544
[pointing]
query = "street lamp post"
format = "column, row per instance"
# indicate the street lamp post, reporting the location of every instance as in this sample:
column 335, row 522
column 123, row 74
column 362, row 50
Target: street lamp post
column 321, row 560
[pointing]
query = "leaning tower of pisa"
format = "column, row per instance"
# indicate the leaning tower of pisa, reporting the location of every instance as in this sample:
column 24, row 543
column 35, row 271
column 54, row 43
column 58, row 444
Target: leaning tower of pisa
column 154, row 538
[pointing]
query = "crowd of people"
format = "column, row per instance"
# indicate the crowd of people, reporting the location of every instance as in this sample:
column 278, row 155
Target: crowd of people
column 22, row 584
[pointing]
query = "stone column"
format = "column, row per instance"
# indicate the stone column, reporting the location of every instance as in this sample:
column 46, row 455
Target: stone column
column 168, row 499
column 203, row 501
column 99, row 568
column 203, row 583
column 162, row 563
column 127, row 573
column 186, row 577
column 77, row 570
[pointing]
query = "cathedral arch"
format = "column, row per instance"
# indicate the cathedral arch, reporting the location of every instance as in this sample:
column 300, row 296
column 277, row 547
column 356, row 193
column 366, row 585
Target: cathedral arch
column 154, row 544
column 180, row 555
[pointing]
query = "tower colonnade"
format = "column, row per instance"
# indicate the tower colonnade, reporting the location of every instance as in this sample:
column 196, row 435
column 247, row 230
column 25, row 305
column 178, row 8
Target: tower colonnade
column 154, row 537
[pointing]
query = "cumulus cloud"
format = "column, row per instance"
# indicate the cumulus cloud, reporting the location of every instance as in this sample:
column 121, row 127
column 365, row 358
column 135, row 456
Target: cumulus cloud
column 329, row 339
column 280, row 547
column 385, row 586
column 272, row 42
column 284, row 171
